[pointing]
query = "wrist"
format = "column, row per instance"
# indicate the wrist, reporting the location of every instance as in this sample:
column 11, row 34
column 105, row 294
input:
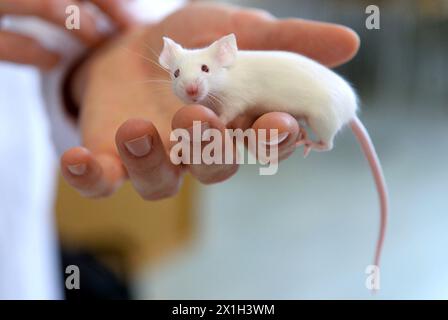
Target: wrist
column 75, row 80
column 72, row 86
column 78, row 81
column 71, row 103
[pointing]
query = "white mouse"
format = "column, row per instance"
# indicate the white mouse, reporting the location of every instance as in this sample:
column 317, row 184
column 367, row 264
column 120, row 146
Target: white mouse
column 231, row 81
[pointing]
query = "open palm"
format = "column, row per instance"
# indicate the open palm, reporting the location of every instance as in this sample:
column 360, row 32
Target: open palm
column 128, row 111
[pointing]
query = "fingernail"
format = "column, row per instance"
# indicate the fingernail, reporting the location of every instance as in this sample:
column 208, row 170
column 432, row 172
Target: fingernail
column 77, row 169
column 139, row 147
column 204, row 126
column 280, row 138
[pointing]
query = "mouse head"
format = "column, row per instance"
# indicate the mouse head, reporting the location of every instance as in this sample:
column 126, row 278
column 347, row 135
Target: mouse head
column 198, row 73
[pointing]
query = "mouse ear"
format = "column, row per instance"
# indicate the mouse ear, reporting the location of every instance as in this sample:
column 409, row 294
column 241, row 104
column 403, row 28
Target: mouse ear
column 170, row 52
column 225, row 50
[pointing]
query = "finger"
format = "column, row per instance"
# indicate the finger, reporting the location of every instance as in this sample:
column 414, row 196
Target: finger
column 55, row 11
column 287, row 128
column 214, row 172
column 92, row 175
column 24, row 50
column 330, row 44
column 327, row 43
column 148, row 165
column 118, row 11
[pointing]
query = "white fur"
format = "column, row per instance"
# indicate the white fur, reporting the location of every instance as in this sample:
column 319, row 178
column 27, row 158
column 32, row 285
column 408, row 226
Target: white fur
column 265, row 80
column 274, row 81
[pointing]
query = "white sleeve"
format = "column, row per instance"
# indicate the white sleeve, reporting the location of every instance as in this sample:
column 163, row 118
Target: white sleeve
column 64, row 130
column 29, row 265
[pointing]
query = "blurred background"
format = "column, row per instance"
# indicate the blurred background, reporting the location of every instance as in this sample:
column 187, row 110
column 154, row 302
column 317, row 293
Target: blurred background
column 308, row 232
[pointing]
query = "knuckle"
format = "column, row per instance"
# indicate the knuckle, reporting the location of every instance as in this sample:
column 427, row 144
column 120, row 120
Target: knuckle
column 34, row 49
column 259, row 13
column 166, row 188
column 93, row 190
column 161, row 194
column 4, row 50
column 209, row 176
column 95, row 195
column 115, row 3
column 286, row 155
column 52, row 8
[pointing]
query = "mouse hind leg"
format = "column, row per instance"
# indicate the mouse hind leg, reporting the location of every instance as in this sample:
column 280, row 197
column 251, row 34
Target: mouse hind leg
column 324, row 129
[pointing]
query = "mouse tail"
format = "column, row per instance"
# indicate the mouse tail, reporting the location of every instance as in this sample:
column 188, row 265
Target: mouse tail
column 369, row 150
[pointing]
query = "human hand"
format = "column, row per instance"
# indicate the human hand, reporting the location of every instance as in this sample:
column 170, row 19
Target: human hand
column 25, row 50
column 126, row 124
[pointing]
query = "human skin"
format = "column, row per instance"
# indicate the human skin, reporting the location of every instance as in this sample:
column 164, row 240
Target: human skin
column 125, row 122
column 25, row 50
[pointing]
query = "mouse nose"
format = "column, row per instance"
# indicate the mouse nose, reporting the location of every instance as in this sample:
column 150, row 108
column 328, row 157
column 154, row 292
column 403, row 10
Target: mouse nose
column 192, row 90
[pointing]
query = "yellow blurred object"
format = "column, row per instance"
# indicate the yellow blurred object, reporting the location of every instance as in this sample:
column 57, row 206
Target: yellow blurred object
column 433, row 8
column 135, row 231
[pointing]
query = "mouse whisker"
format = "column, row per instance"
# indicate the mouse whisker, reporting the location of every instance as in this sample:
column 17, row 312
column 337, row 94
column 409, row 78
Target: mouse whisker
column 159, row 82
column 214, row 96
column 162, row 90
column 156, row 81
column 147, row 59
column 212, row 100
column 156, row 55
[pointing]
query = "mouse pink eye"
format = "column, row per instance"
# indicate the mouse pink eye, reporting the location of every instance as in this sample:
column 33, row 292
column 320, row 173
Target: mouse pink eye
column 176, row 73
column 205, row 68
